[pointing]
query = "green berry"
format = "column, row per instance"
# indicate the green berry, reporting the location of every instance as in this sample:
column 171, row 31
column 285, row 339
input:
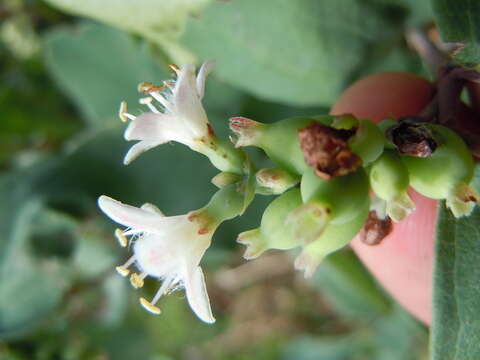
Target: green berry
column 335, row 201
column 333, row 238
column 367, row 142
column 343, row 195
column 389, row 180
column 446, row 173
column 273, row 233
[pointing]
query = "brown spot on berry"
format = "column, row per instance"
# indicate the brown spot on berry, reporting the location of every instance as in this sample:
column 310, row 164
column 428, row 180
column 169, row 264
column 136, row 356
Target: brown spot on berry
column 375, row 229
column 326, row 150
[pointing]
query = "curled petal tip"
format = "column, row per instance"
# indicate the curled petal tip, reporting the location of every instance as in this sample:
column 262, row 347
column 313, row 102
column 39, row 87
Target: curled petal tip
column 104, row 200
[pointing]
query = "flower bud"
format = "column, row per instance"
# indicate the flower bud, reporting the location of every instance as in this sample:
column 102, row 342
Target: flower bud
column 273, row 232
column 225, row 178
column 274, row 181
column 389, row 180
column 446, row 173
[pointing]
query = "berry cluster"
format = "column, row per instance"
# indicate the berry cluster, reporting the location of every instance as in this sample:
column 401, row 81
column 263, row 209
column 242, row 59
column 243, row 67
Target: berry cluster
column 336, row 176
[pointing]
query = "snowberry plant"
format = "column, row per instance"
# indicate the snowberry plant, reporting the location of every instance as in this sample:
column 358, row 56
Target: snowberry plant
column 336, row 176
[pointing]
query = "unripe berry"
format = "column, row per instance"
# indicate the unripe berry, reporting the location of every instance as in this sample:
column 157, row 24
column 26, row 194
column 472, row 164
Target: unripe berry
column 334, row 237
column 447, row 173
column 367, row 142
column 344, row 195
column 389, row 180
column 272, row 233
column 336, row 201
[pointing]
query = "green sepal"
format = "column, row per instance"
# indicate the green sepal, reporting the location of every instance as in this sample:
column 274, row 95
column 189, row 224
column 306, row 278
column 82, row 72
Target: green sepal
column 273, row 232
column 333, row 238
column 344, row 195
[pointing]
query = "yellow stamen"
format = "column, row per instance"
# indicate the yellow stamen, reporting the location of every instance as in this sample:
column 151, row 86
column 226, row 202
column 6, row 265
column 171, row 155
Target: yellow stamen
column 122, row 111
column 122, row 270
column 144, row 87
column 136, row 280
column 147, row 87
column 150, row 307
column 174, row 68
column 146, row 100
column 122, row 239
column 168, row 84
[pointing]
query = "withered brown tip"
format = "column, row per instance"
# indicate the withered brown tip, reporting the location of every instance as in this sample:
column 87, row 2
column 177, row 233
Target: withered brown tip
column 375, row 229
column 326, row 150
column 412, row 138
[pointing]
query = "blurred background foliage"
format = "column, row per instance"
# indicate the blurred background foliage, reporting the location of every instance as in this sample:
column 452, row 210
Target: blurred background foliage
column 65, row 67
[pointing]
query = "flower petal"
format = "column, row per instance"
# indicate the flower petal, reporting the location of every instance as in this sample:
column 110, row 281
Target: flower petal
column 188, row 107
column 197, row 295
column 136, row 150
column 150, row 127
column 139, row 220
column 152, row 208
column 205, row 69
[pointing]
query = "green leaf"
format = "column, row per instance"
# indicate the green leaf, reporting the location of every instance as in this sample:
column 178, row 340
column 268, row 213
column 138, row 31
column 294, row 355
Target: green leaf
column 349, row 287
column 456, row 296
column 393, row 336
column 459, row 21
column 31, row 286
column 304, row 54
column 324, row 348
column 98, row 67
column 159, row 21
column 397, row 336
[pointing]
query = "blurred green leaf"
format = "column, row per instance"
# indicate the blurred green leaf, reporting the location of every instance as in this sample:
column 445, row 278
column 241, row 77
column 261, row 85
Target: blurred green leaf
column 303, row 55
column 397, row 336
column 350, row 287
column 393, row 336
column 116, row 300
column 98, row 67
column 93, row 256
column 414, row 12
column 326, row 348
column 459, row 21
column 159, row 21
column 31, row 286
column 456, row 295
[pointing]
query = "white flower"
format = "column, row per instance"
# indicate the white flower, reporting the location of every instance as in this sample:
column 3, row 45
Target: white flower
column 167, row 248
column 179, row 115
